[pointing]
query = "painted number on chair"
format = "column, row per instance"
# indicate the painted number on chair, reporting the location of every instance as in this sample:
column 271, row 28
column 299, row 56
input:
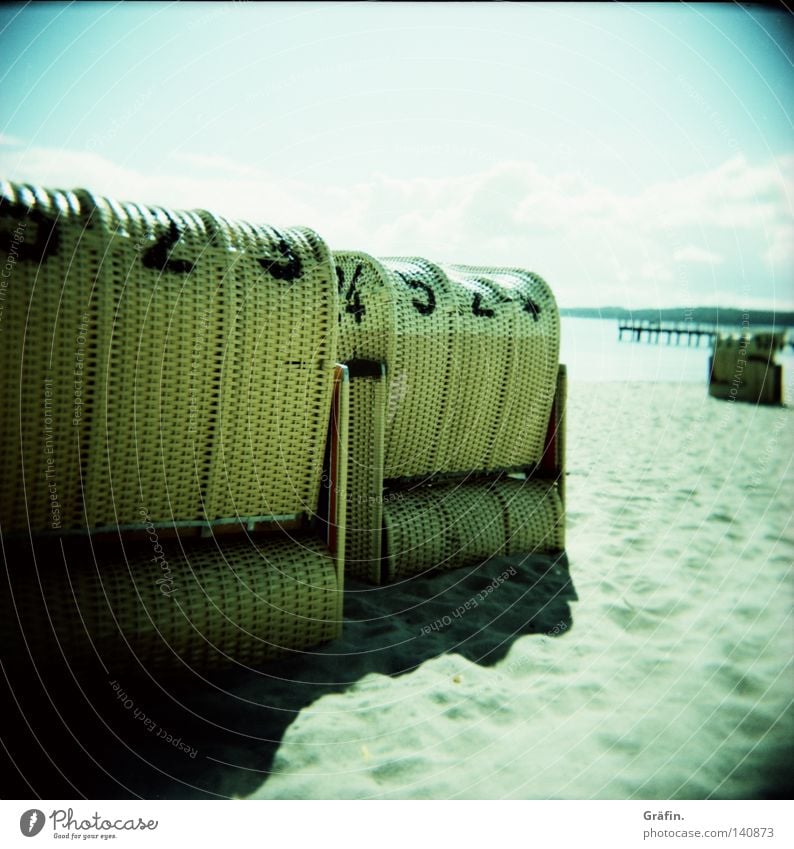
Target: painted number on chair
column 423, row 307
column 479, row 309
column 351, row 292
column 158, row 256
column 286, row 266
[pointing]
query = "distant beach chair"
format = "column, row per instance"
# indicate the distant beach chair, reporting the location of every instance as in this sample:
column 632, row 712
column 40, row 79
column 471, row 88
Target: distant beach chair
column 167, row 384
column 457, row 415
column 743, row 368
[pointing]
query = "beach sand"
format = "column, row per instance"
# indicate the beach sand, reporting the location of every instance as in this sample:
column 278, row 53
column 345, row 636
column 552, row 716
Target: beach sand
column 674, row 679
column 665, row 673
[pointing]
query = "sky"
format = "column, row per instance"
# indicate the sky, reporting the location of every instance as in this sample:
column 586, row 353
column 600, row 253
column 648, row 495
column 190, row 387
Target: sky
column 632, row 155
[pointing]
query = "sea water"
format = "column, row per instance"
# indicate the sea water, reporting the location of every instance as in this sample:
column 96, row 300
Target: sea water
column 593, row 353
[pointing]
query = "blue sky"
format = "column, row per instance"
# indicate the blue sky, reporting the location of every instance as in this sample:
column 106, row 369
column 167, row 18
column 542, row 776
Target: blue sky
column 637, row 155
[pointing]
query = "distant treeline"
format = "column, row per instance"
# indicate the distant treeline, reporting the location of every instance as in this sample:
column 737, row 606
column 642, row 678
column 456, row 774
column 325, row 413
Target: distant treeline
column 699, row 315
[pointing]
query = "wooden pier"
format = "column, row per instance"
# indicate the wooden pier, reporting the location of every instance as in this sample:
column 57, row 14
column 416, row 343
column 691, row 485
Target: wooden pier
column 669, row 332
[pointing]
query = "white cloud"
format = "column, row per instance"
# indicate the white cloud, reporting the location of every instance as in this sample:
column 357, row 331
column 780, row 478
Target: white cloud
column 655, row 272
column 693, row 253
column 594, row 244
column 217, row 163
column 781, row 247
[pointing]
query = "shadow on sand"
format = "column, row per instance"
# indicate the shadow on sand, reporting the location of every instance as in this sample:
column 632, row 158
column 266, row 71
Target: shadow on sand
column 169, row 736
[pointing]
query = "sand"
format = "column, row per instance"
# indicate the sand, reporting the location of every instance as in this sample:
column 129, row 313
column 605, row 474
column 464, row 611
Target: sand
column 661, row 669
column 673, row 679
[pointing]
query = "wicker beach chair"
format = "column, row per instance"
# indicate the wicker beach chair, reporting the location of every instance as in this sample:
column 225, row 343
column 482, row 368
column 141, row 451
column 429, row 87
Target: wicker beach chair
column 167, row 384
column 458, row 401
column 743, row 368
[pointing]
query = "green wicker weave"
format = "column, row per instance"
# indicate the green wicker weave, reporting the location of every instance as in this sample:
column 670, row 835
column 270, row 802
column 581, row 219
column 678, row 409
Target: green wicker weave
column 457, row 524
column 168, row 370
column 187, row 363
column 471, row 357
column 519, row 352
column 199, row 605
